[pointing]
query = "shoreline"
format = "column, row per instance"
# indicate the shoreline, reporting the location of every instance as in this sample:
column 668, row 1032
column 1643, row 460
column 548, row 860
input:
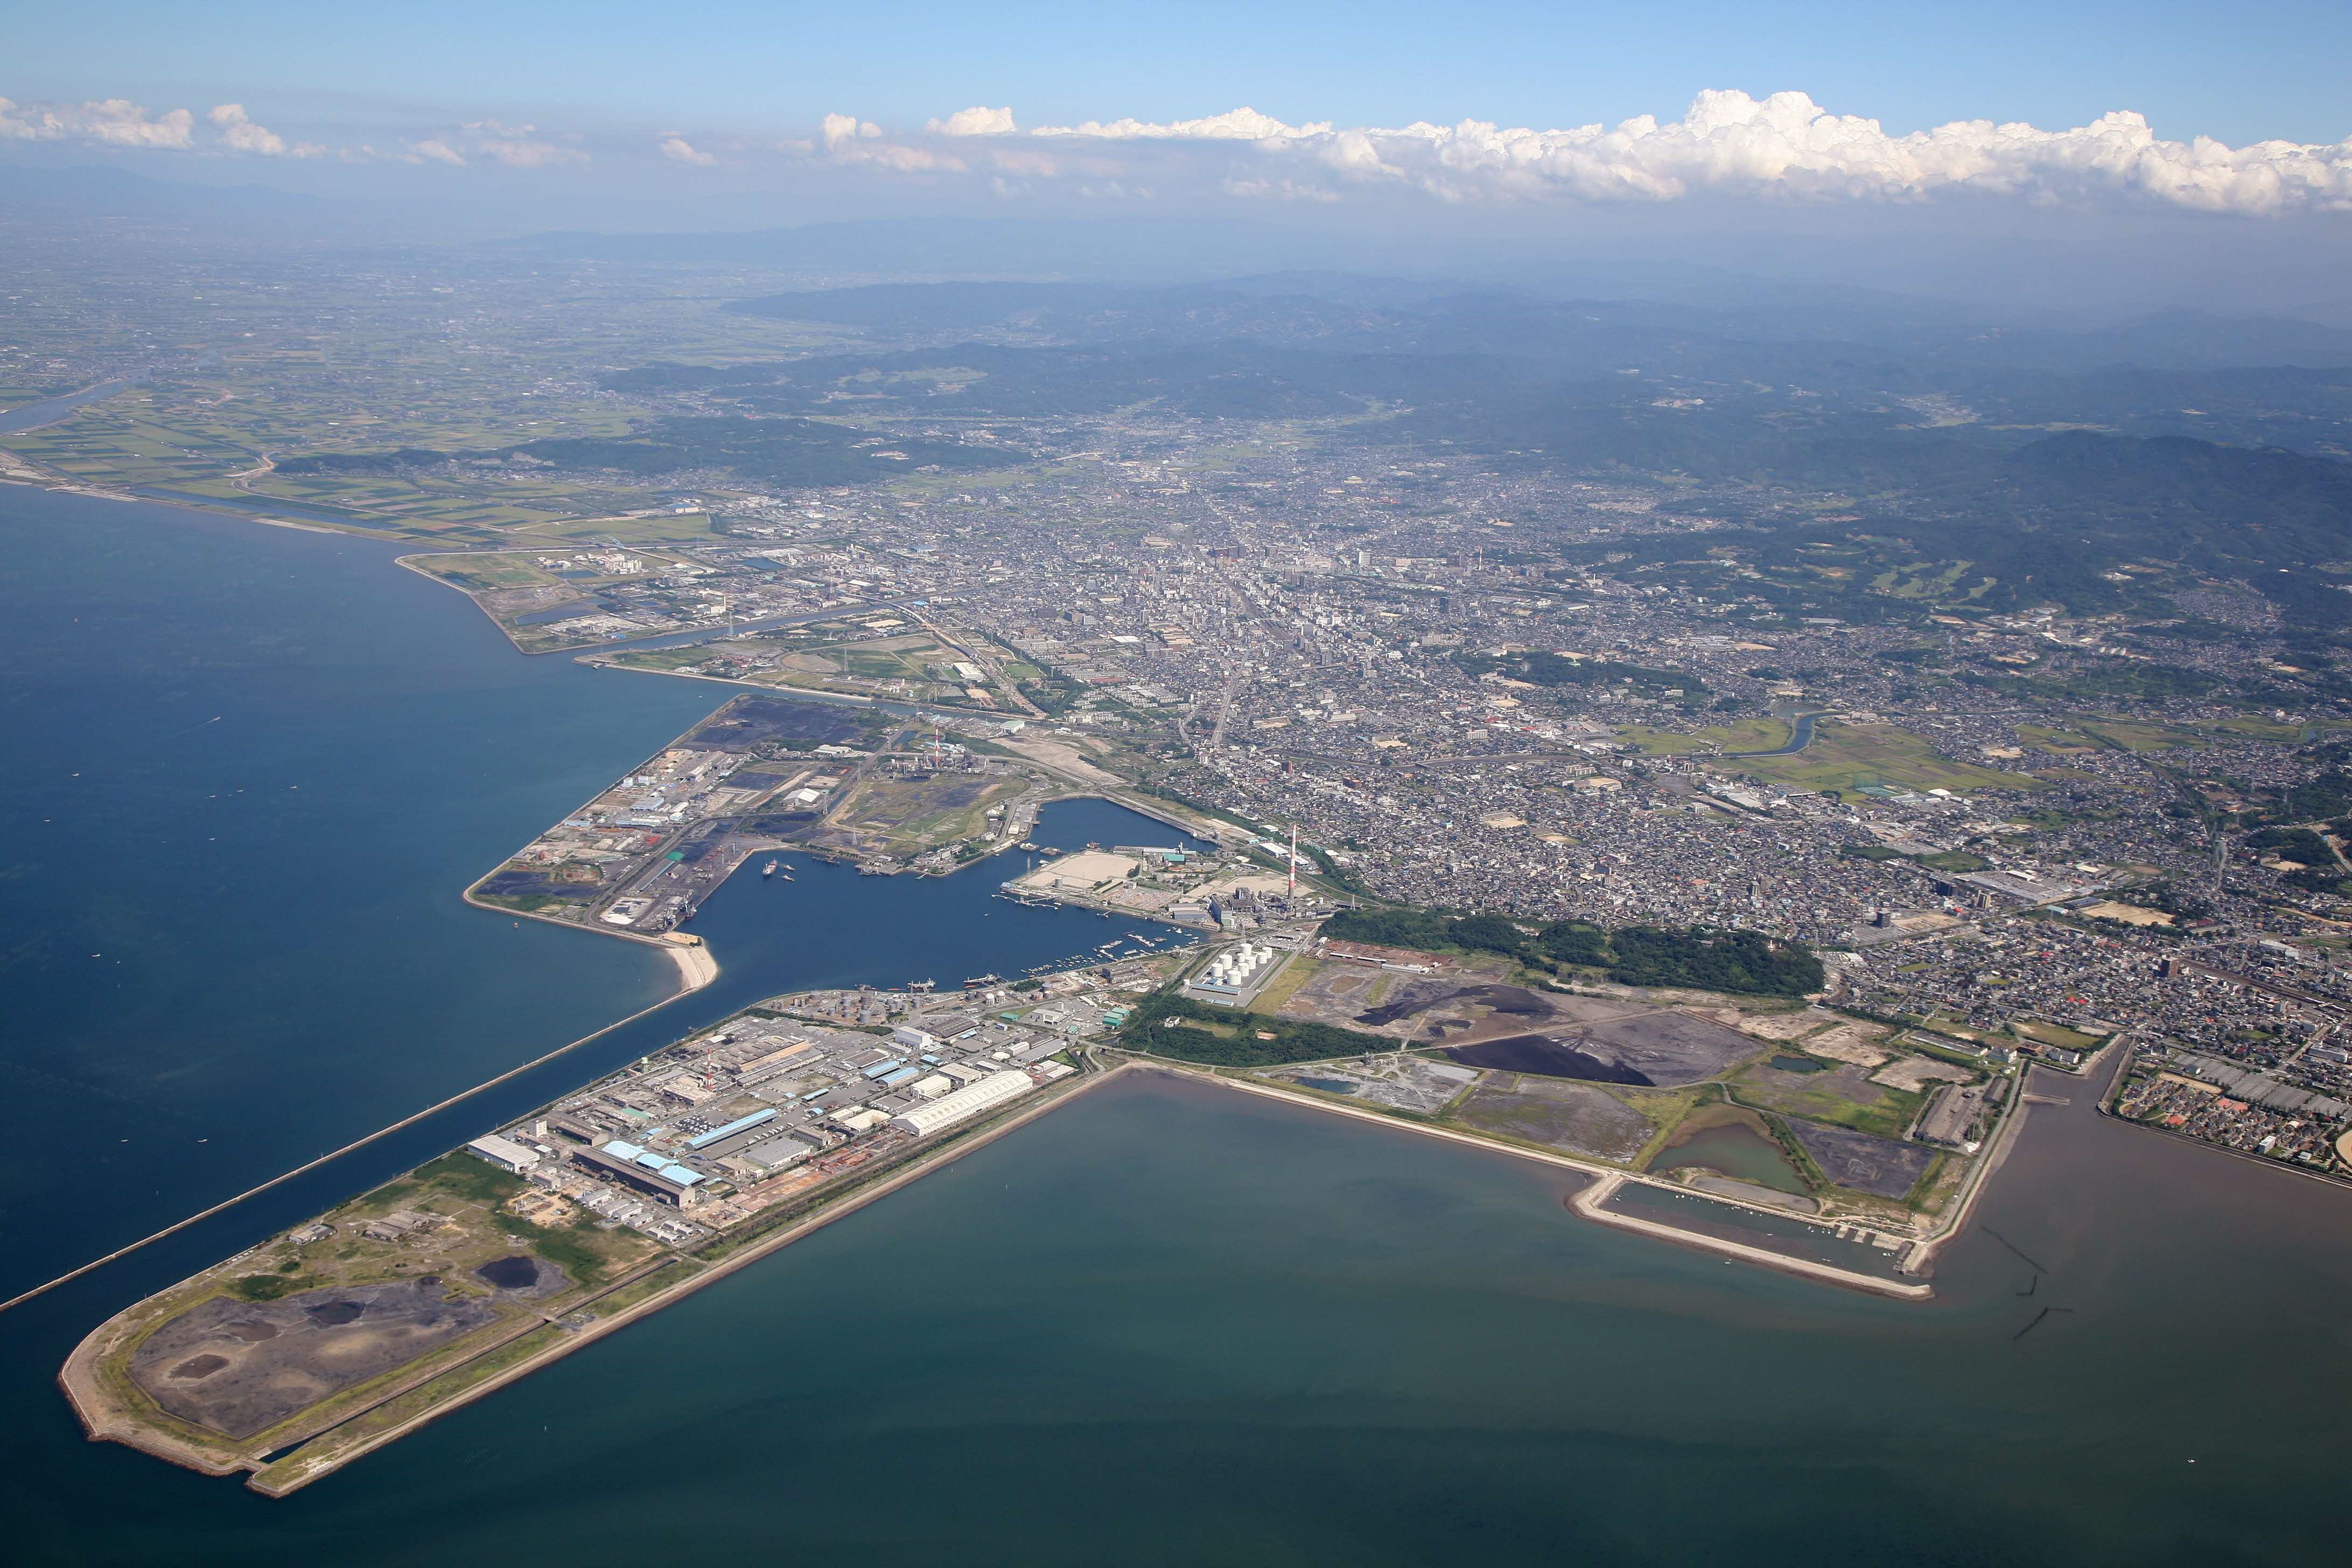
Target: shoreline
column 1608, row 1180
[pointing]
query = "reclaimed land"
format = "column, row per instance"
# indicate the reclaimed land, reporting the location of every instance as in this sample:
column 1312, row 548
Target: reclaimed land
column 334, row 1431
column 1609, row 1179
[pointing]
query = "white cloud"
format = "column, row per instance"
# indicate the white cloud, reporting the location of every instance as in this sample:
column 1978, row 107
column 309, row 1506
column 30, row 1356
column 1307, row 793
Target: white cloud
column 517, row 147
column 839, row 129
column 1781, row 148
column 113, row 122
column 974, row 122
column 843, row 139
column 1240, row 125
column 1784, row 147
column 240, row 134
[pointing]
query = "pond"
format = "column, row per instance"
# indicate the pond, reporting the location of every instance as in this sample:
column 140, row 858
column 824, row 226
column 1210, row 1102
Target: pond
column 1738, row 1150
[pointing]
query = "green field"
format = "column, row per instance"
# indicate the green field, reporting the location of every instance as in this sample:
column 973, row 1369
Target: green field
column 1841, row 1095
column 488, row 571
column 1845, row 756
column 1740, row 735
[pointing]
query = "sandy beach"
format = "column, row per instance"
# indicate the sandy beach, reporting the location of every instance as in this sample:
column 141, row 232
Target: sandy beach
column 696, row 967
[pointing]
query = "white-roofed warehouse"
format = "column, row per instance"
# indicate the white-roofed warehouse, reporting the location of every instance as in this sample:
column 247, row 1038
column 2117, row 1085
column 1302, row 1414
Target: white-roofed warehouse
column 969, row 1101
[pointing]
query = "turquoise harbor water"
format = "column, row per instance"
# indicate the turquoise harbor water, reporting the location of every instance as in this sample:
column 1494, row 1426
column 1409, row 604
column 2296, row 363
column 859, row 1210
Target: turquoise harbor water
column 1167, row 1324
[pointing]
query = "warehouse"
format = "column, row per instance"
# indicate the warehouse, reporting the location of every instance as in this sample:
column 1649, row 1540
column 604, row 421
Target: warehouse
column 950, row 1108
column 504, row 1153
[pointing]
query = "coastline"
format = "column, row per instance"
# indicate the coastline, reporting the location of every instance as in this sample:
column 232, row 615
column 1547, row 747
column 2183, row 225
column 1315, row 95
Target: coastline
column 1609, row 1179
column 697, row 966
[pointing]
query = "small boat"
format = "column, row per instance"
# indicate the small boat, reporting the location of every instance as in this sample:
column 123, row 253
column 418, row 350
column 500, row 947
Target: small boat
column 769, row 870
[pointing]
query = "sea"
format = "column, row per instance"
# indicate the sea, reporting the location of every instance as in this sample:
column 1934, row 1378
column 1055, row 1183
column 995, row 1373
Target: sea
column 247, row 772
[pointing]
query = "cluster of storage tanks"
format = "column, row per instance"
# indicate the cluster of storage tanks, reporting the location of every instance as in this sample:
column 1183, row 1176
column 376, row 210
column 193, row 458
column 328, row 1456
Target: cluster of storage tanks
column 1234, row 968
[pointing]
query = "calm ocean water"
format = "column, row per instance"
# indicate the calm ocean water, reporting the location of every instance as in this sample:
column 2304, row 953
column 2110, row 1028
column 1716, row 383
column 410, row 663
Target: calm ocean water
column 248, row 771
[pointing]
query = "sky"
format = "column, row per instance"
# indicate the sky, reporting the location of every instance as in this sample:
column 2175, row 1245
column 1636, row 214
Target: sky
column 1490, row 119
column 2251, row 70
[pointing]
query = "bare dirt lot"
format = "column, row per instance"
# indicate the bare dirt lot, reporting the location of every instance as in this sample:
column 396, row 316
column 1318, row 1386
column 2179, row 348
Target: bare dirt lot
column 1913, row 1074
column 1862, row 1163
column 1574, row 1117
column 1668, row 1048
column 239, row 1367
column 1789, row 1025
column 1855, row 1043
column 1337, row 993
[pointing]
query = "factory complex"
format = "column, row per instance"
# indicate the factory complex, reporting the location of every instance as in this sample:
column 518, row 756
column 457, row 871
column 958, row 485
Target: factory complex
column 770, row 1105
column 298, row 1355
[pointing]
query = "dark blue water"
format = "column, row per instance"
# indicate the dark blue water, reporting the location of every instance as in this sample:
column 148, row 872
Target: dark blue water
column 1165, row 1325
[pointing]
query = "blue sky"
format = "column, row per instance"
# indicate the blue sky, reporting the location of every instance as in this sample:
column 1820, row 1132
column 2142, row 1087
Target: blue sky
column 2241, row 72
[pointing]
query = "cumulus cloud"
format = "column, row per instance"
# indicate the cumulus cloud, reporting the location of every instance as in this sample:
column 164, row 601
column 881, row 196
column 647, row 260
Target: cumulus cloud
column 678, row 150
column 238, row 133
column 110, row 121
column 974, row 122
column 435, row 150
column 1784, row 147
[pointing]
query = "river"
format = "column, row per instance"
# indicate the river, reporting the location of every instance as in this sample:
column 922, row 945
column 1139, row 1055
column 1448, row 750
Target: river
column 1167, row 1323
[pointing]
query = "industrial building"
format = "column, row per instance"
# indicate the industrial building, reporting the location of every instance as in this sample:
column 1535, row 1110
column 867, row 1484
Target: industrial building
column 669, row 1182
column 505, row 1153
column 963, row 1104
